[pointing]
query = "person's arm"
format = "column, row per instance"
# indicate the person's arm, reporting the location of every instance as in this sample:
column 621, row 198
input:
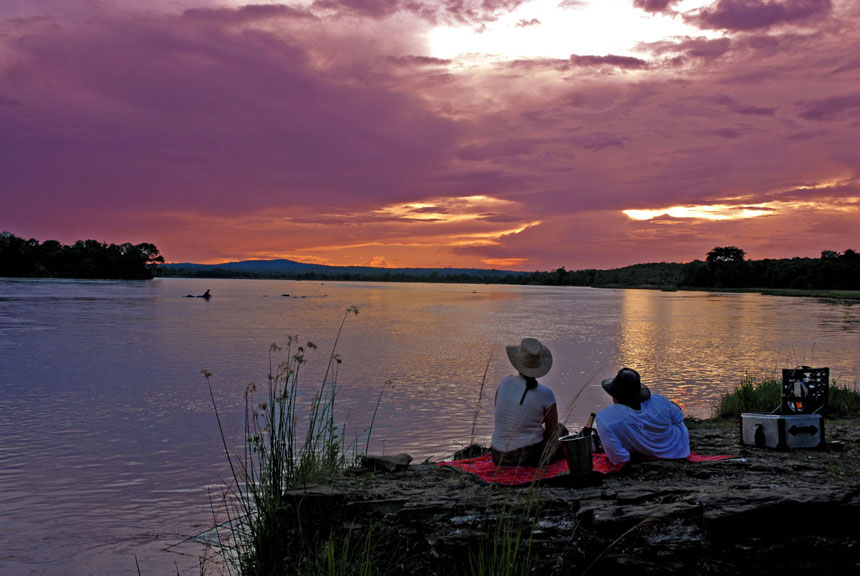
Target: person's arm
column 550, row 422
column 677, row 414
column 612, row 446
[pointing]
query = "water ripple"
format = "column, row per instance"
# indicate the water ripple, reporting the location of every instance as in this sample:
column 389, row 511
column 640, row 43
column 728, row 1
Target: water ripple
column 109, row 449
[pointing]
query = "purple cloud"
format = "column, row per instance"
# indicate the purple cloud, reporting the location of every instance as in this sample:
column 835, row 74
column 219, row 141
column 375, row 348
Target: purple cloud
column 371, row 8
column 417, row 61
column 596, row 142
column 832, row 108
column 624, row 62
column 654, row 5
column 496, row 150
column 230, row 119
column 744, row 15
column 233, row 131
column 245, row 14
column 745, row 109
column 451, row 11
column 729, row 133
column 698, row 48
column 527, row 23
column 537, row 64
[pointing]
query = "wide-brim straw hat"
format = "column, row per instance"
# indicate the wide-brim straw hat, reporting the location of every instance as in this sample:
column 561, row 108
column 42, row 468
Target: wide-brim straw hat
column 627, row 387
column 530, row 358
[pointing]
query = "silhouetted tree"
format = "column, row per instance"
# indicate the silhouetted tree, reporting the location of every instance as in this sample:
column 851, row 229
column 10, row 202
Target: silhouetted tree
column 722, row 254
column 728, row 266
column 83, row 259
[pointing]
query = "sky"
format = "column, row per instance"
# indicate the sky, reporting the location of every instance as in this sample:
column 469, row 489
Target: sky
column 513, row 134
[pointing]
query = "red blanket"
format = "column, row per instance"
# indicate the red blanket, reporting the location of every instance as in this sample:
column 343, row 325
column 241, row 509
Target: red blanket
column 482, row 466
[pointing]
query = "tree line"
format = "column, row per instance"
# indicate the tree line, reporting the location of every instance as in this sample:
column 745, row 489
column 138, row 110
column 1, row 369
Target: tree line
column 83, row 259
column 724, row 267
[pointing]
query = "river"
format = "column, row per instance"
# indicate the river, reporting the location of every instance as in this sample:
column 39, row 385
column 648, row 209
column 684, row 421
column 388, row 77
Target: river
column 109, row 449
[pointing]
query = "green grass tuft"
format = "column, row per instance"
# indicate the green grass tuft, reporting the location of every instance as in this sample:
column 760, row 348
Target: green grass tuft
column 753, row 395
column 505, row 547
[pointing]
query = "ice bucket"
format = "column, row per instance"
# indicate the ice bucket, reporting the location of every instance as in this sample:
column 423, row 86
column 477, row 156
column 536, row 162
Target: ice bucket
column 577, row 452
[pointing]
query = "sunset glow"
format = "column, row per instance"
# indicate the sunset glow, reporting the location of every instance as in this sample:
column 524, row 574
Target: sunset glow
column 553, row 29
column 444, row 210
column 535, row 135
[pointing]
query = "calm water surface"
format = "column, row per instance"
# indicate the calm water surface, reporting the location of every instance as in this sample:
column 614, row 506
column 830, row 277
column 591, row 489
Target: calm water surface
column 109, row 449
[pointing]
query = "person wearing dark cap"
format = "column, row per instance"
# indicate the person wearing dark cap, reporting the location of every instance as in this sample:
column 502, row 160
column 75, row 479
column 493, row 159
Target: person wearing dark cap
column 526, row 429
column 639, row 423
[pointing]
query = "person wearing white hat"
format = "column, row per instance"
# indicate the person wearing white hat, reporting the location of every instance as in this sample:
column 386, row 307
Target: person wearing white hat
column 526, row 429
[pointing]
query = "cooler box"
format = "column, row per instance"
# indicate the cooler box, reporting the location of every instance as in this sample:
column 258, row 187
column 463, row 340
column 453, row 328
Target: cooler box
column 783, row 431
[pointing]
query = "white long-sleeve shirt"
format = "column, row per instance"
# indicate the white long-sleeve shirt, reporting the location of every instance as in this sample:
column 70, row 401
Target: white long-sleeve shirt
column 656, row 429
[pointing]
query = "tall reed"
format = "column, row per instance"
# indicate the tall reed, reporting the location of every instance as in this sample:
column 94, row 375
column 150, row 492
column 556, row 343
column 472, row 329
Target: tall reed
column 505, row 547
column 281, row 451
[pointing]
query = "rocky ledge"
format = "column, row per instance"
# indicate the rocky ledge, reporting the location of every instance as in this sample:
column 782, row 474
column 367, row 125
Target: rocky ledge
column 761, row 512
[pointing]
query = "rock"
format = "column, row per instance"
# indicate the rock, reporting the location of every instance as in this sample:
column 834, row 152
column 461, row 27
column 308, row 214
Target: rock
column 386, row 463
column 762, row 512
column 470, row 451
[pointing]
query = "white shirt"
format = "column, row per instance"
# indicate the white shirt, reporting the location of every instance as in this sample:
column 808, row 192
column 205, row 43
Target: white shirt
column 518, row 425
column 656, row 429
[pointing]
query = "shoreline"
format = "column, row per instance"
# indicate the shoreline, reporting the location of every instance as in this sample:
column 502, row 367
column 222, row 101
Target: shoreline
column 850, row 295
column 761, row 512
column 842, row 295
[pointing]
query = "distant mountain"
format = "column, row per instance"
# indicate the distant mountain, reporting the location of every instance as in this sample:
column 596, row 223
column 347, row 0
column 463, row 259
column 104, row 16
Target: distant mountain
column 284, row 267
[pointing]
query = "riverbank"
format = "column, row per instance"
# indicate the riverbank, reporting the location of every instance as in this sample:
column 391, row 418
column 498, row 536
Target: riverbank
column 848, row 295
column 761, row 512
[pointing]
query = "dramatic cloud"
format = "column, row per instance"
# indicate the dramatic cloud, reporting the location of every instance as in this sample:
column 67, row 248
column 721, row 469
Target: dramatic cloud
column 655, row 5
column 759, row 14
column 372, row 8
column 627, row 62
column 833, row 108
column 451, row 11
column 342, row 132
column 247, row 14
column 698, row 48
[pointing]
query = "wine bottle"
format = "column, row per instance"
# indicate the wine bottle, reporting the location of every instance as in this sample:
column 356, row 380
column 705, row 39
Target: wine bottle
column 588, row 429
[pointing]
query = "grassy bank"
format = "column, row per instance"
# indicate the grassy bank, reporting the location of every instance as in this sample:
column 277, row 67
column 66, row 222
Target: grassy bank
column 763, row 395
column 808, row 293
column 297, row 505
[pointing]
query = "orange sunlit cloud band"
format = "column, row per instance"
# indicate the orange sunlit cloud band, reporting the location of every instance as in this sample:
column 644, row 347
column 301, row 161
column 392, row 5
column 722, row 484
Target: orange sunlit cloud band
column 742, row 211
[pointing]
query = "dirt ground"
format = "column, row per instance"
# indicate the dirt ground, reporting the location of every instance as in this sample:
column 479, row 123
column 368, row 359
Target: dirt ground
column 761, row 512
